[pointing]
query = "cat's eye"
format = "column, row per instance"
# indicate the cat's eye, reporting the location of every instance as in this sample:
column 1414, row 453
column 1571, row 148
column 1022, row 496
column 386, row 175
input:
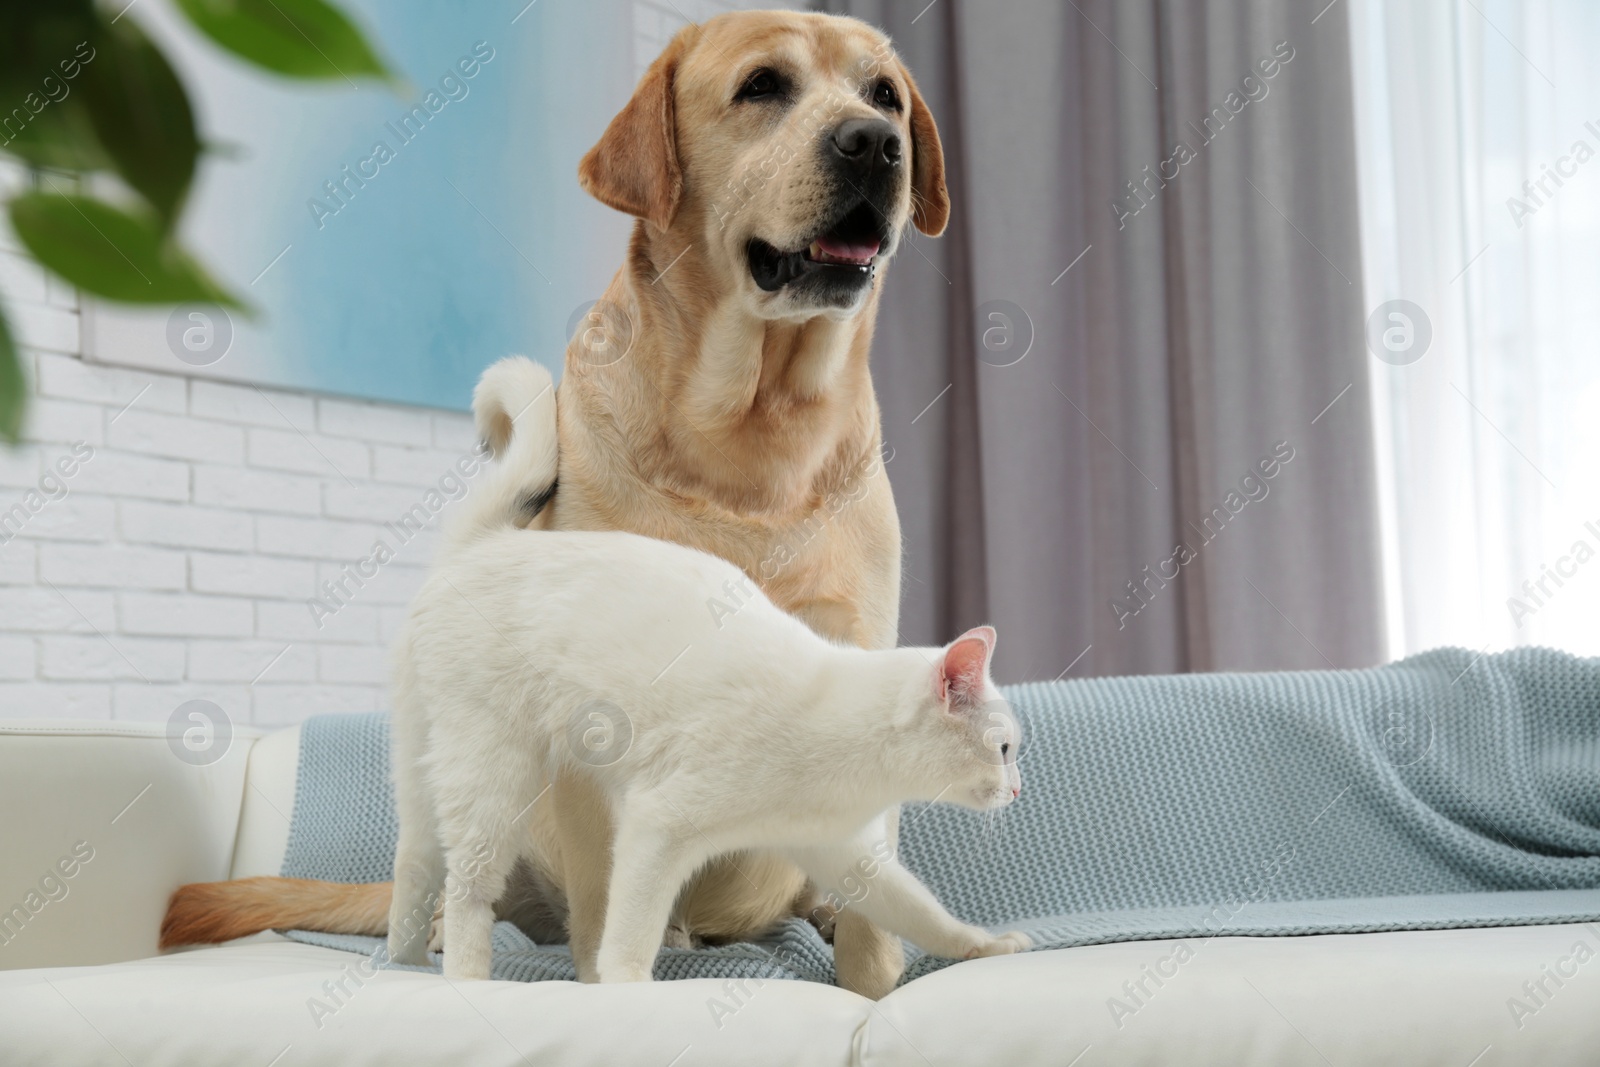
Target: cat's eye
column 885, row 96
column 763, row 84
column 1005, row 748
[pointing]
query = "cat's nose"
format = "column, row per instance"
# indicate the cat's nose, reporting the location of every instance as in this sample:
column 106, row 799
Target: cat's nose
column 1016, row 791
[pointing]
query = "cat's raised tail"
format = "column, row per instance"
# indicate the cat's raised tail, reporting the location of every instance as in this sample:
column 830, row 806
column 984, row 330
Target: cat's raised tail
column 514, row 407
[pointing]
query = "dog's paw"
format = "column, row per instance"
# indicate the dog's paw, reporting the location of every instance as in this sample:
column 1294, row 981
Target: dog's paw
column 1003, row 945
column 678, row 936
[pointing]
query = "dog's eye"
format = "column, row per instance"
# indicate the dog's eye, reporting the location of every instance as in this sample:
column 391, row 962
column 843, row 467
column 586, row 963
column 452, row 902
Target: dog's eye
column 761, row 85
column 885, row 96
column 1005, row 748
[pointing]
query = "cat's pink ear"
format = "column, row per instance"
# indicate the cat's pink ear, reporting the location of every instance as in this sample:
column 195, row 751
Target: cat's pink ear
column 965, row 666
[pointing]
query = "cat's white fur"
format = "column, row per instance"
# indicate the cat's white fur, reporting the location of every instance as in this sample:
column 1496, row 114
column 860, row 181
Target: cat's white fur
column 726, row 731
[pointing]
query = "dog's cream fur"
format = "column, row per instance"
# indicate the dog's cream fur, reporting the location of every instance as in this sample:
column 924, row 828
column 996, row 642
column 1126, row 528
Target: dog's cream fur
column 697, row 408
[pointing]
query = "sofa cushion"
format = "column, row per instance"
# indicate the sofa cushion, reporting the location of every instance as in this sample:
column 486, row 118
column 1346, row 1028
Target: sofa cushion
column 1418, row 998
column 249, row 1001
column 1449, row 997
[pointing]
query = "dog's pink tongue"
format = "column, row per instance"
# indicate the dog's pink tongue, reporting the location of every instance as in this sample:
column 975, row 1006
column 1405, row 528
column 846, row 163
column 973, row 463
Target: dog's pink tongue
column 860, row 253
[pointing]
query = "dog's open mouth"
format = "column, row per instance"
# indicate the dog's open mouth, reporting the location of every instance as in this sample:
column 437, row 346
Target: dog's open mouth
column 844, row 253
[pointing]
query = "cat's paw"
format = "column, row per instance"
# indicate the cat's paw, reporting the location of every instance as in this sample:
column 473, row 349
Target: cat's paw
column 609, row 975
column 407, row 952
column 1003, row 945
column 466, row 967
column 618, row 967
column 413, row 951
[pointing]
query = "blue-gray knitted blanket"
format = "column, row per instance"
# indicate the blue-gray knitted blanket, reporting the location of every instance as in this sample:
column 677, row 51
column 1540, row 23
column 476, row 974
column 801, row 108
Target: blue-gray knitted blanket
column 1451, row 789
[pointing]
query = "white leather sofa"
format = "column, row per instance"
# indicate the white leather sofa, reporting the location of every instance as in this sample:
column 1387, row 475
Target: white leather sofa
column 81, row 983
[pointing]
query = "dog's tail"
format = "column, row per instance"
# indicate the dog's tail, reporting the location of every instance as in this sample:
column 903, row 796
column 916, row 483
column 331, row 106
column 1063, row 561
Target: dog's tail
column 514, row 406
column 204, row 913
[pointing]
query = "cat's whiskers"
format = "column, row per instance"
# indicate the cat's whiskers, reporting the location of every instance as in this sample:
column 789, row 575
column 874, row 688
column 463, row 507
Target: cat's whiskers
column 994, row 824
column 988, row 833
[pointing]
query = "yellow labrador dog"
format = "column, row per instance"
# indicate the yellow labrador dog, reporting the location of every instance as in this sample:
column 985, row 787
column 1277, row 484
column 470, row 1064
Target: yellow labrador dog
column 718, row 396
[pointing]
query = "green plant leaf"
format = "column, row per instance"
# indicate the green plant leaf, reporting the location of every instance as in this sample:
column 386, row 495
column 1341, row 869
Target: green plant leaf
column 13, row 386
column 110, row 252
column 141, row 116
column 38, row 46
column 298, row 38
column 61, row 137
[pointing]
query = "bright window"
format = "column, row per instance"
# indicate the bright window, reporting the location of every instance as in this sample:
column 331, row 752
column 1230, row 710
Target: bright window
column 1478, row 132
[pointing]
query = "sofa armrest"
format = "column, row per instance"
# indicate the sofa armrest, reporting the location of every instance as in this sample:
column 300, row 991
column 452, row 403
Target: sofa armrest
column 99, row 823
column 268, row 803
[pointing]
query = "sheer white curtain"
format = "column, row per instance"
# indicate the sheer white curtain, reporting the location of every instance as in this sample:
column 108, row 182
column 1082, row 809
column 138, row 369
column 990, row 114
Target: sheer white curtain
column 1478, row 134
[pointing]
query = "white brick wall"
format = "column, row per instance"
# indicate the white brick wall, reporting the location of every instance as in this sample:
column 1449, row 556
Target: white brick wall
column 180, row 561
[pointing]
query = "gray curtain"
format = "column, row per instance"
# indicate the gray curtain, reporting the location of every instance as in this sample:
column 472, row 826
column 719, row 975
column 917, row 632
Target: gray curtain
column 1210, row 316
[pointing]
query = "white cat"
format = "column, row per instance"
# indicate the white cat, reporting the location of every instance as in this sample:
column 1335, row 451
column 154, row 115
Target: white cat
column 527, row 649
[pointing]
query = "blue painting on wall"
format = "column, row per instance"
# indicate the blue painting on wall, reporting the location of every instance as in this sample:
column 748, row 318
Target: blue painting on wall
column 397, row 240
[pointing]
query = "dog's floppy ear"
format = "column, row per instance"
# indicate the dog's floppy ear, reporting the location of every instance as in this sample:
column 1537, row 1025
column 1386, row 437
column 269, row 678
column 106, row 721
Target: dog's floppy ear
column 930, row 202
column 634, row 168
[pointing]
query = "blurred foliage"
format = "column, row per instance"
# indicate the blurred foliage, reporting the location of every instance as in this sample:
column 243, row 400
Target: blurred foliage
column 84, row 91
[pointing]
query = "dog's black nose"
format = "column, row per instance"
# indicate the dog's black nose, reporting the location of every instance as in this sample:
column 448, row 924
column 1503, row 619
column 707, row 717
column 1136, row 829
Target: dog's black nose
column 867, row 142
